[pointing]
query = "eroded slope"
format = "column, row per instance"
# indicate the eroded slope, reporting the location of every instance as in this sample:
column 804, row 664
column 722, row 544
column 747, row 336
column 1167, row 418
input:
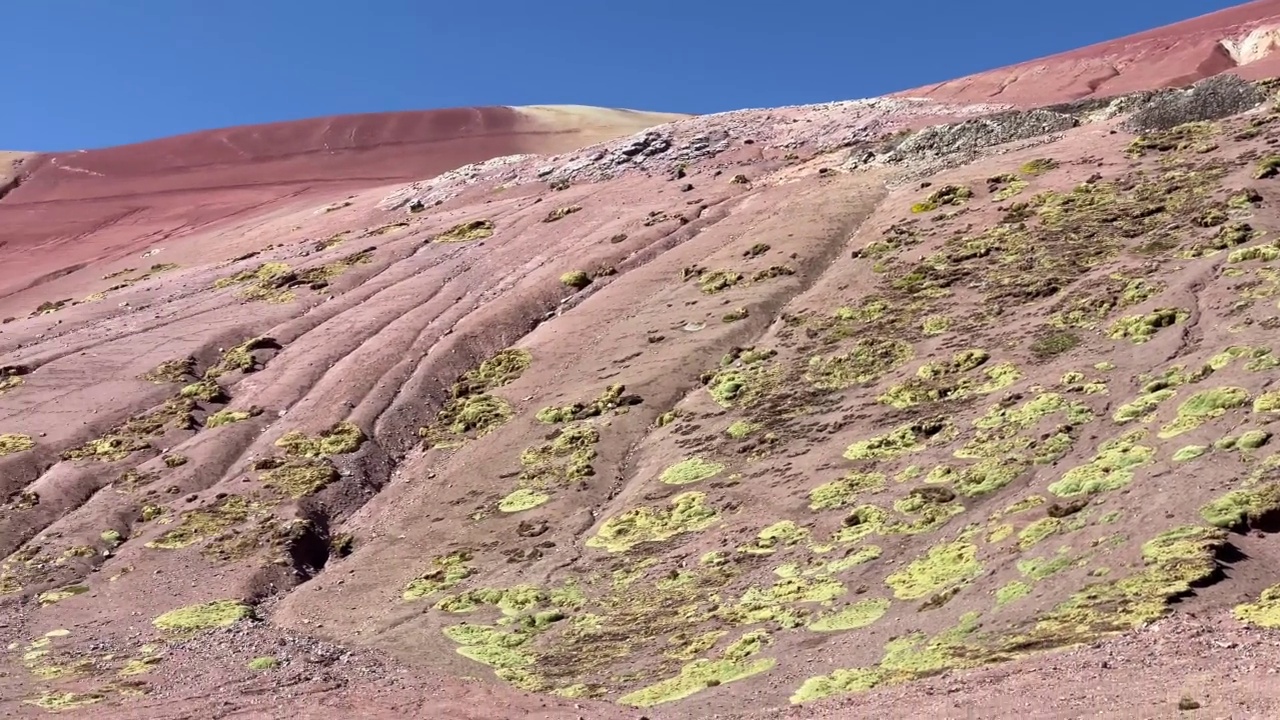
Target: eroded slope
column 679, row 420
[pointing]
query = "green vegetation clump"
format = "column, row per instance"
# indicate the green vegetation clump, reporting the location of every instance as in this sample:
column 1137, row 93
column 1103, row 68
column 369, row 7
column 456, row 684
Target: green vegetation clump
column 905, row 658
column 740, row 429
column 521, row 500
column 277, row 282
column 1267, row 167
column 446, row 572
column 132, row 435
column 1248, row 440
column 867, row 361
column 342, row 438
column 565, row 458
column 1228, row 236
column 50, row 597
column 845, row 491
column 1141, row 328
column 227, row 416
column 1142, row 406
column 935, row 324
column 1267, row 402
column 12, row 443
column 466, row 231
column 687, row 512
column 1190, row 452
column 715, row 281
column 735, row 663
column 611, row 398
column 1111, row 469
column 942, row 568
column 561, row 213
column 1265, row 612
column 240, row 358
column 900, row 441
column 1173, row 562
column 1242, row 508
column 858, row 615
column 271, row 282
column 471, row 410
column 59, row 701
column 170, row 371
column 204, row 391
column 263, row 663
column 576, row 279
column 783, row 533
column 1192, row 136
column 745, row 378
column 1038, row 166
column 1261, row 253
column 215, row 614
column 1203, row 407
column 1011, row 592
column 945, row 195
column 197, row 525
column 691, row 470
column 300, row 478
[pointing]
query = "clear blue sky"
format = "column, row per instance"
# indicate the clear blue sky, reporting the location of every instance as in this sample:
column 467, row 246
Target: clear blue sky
column 90, row 73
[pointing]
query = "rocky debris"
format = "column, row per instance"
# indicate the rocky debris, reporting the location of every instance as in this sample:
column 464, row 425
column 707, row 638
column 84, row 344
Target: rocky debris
column 1210, row 99
column 819, row 128
column 941, row 146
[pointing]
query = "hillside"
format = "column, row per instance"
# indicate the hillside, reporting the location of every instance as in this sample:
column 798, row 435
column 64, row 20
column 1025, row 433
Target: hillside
column 910, row 406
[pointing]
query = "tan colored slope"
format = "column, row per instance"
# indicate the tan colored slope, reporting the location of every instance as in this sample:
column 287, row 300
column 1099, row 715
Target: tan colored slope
column 589, row 124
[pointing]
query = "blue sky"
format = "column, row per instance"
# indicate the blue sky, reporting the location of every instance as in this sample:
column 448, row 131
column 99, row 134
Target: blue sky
column 90, row 73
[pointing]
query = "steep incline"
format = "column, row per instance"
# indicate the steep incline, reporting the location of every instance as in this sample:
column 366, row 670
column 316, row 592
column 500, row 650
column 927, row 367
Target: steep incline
column 75, row 209
column 849, row 410
column 1242, row 40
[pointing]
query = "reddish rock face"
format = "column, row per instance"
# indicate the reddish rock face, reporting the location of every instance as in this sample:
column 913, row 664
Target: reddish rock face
column 1236, row 40
column 80, row 206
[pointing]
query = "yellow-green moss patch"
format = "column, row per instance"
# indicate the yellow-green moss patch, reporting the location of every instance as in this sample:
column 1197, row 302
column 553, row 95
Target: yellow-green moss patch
column 228, row 417
column 466, row 231
column 734, row 664
column 858, row 615
column 1141, row 328
column 11, row 443
column 446, row 572
column 687, row 512
column 1240, row 508
column 197, row 525
column 845, row 491
column 521, row 500
column 691, row 470
column 868, row 360
column 343, row 437
column 1263, row 613
column 1203, row 407
column 1111, row 469
column 898, row 442
column 301, row 477
column 206, row 616
column 943, row 567
column 471, row 411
